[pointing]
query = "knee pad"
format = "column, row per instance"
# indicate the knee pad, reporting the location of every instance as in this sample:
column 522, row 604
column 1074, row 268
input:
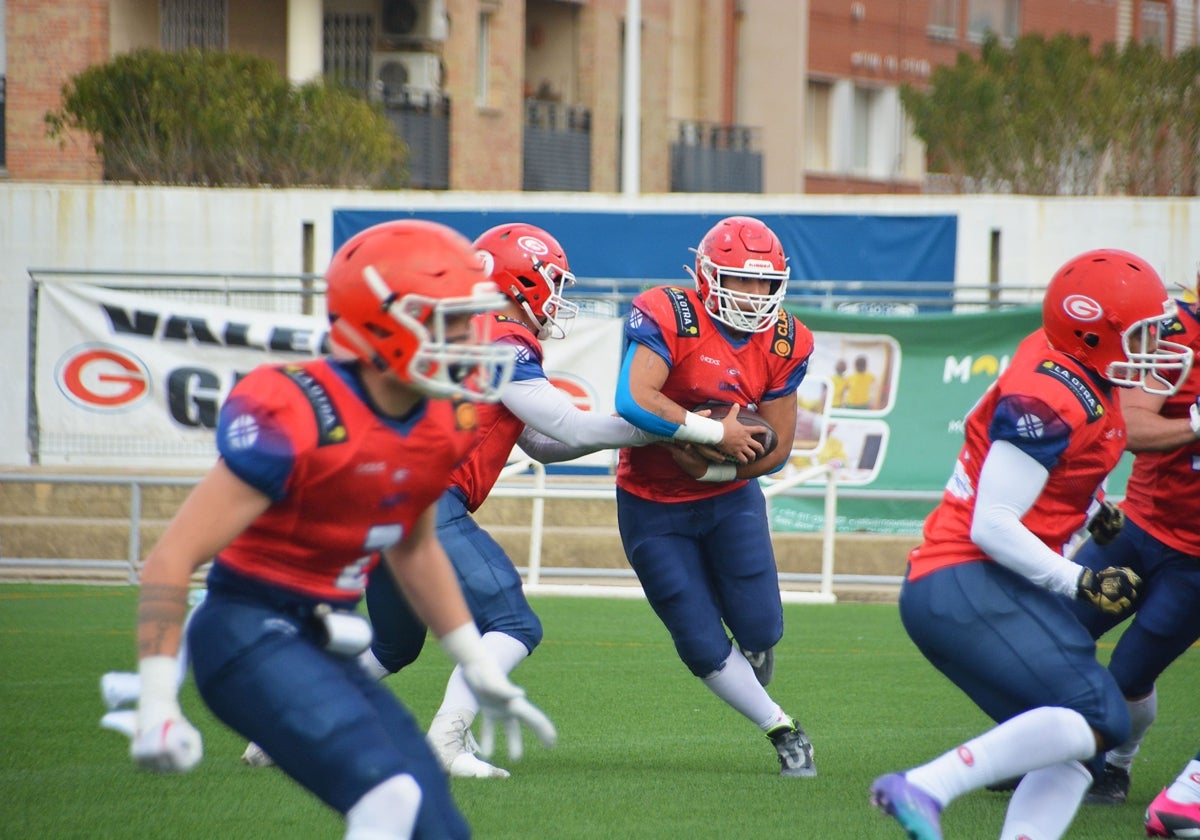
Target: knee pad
column 387, row 811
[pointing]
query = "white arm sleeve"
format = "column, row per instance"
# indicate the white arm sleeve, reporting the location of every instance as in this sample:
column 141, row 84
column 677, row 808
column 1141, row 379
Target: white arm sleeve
column 547, row 450
column 548, row 410
column 1009, row 483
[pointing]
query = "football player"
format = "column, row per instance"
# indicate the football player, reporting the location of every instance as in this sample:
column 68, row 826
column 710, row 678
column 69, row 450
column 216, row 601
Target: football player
column 692, row 518
column 324, row 465
column 531, row 270
column 1152, row 534
column 984, row 595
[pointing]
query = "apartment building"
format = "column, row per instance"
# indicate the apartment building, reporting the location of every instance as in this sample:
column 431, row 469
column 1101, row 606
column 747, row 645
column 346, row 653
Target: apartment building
column 755, row 96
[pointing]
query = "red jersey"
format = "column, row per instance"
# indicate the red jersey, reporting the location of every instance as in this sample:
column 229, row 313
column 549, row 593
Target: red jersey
column 1163, row 493
column 345, row 481
column 499, row 428
column 707, row 363
column 1049, row 406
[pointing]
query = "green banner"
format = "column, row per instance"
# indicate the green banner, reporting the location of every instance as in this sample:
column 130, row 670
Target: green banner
column 894, row 391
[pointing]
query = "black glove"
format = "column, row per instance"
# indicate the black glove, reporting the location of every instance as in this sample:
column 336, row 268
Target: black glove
column 1106, row 524
column 1112, row 590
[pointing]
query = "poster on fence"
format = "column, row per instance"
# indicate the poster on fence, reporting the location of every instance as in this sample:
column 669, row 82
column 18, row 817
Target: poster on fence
column 134, row 379
column 902, row 386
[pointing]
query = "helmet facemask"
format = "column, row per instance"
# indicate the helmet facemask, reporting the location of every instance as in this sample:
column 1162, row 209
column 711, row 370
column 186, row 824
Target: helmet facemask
column 742, row 311
column 557, row 313
column 1160, row 370
column 446, row 361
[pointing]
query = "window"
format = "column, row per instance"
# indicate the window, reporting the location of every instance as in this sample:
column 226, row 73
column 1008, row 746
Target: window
column 1002, row 17
column 482, row 58
column 943, row 19
column 1154, row 24
column 193, row 23
column 818, row 107
column 862, row 122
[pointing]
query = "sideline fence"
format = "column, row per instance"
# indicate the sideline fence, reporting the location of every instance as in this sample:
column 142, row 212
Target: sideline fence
column 539, row 491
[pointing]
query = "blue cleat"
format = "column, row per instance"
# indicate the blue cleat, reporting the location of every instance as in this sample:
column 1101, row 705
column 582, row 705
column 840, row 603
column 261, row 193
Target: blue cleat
column 918, row 813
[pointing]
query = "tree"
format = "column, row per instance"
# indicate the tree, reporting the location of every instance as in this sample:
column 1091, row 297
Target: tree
column 1053, row 117
column 225, row 119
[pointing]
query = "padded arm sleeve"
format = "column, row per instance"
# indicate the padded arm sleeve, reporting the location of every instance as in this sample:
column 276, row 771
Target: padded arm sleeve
column 546, row 409
column 628, row 407
column 1009, row 484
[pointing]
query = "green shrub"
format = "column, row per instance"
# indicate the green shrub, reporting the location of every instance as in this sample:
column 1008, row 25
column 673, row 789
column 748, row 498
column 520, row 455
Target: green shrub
column 224, row 119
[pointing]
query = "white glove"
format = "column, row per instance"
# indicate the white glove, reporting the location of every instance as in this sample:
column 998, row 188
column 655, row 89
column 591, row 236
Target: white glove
column 499, row 699
column 171, row 744
column 163, row 739
column 1194, row 417
column 502, row 702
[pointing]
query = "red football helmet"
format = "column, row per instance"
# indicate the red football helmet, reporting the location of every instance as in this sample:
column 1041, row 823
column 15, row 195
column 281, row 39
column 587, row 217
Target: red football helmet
column 740, row 246
column 391, row 291
column 530, row 267
column 1105, row 308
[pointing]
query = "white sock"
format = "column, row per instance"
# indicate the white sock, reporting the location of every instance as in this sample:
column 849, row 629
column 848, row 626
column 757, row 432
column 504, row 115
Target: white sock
column 387, row 811
column 737, row 686
column 1186, row 787
column 1141, row 714
column 1038, row 738
column 508, row 652
column 1045, row 802
column 370, row 663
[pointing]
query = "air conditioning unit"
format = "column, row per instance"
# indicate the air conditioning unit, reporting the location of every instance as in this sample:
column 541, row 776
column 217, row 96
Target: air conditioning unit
column 393, row 72
column 413, row 20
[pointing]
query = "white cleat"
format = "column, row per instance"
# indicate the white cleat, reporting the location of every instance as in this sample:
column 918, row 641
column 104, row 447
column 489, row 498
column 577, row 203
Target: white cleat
column 454, row 745
column 255, row 757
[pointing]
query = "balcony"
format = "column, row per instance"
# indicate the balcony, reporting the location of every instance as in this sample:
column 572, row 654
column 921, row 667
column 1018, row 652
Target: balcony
column 707, row 157
column 422, row 118
column 558, row 147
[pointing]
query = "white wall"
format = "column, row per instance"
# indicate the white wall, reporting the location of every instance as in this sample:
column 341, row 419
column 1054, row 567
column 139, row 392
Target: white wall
column 100, row 227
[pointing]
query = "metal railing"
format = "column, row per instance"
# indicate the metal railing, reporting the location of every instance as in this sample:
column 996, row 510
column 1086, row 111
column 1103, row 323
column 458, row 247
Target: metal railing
column 539, row 490
column 305, row 292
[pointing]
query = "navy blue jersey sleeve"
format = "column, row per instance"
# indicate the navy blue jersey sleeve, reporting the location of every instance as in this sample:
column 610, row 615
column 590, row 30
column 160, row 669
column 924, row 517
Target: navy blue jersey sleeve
column 792, row 383
column 640, row 328
column 255, row 444
column 1032, row 426
column 529, row 362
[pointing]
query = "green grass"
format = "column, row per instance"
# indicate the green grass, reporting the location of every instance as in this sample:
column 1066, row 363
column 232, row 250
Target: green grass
column 645, row 751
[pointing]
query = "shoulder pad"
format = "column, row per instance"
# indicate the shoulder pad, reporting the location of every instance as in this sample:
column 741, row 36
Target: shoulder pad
column 330, row 428
column 1077, row 386
column 687, row 320
column 783, row 335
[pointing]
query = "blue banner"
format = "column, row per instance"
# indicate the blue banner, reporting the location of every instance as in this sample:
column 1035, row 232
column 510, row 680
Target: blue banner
column 654, row 246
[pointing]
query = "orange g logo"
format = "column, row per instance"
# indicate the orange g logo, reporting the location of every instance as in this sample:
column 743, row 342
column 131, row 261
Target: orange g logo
column 100, row 377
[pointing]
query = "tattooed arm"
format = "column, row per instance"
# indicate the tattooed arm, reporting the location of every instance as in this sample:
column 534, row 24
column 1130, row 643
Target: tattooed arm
column 219, row 508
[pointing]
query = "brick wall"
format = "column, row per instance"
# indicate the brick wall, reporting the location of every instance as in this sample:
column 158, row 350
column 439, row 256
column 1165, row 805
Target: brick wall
column 47, row 44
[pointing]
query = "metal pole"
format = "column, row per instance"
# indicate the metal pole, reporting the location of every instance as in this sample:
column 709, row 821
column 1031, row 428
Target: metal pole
column 631, row 132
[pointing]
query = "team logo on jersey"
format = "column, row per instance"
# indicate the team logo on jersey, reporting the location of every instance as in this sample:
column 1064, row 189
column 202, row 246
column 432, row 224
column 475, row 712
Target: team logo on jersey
column 242, row 432
column 687, row 323
column 1074, row 383
column 1172, row 327
column 1030, row 426
column 465, row 416
column 330, row 428
column 784, row 335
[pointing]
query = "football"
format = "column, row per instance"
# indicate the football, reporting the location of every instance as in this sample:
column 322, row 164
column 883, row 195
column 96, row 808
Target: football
column 769, row 439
